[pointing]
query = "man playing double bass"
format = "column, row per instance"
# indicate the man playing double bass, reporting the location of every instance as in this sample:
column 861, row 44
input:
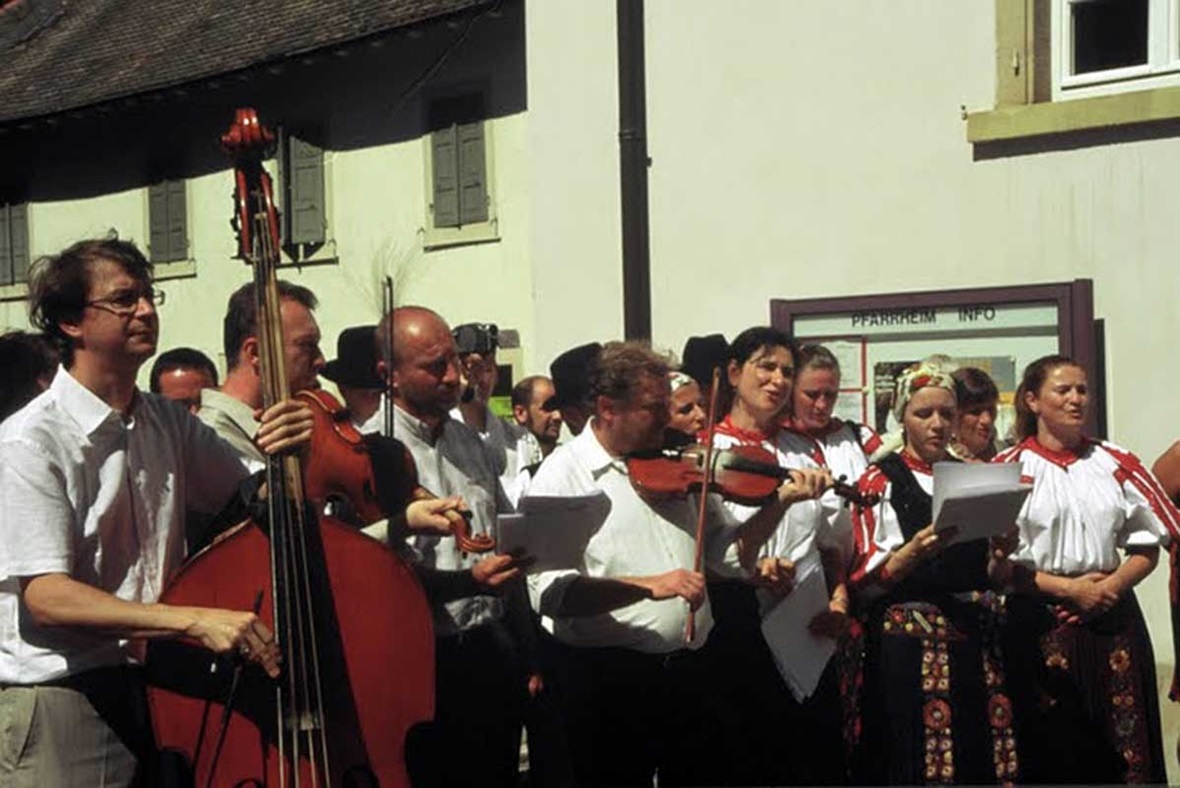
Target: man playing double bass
column 95, row 477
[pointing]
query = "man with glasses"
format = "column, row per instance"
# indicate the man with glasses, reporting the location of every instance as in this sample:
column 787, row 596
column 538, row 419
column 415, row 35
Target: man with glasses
column 95, row 477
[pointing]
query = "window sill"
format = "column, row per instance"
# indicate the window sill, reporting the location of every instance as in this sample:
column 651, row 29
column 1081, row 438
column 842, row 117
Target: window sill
column 443, row 237
column 1063, row 117
column 181, row 269
column 17, row 292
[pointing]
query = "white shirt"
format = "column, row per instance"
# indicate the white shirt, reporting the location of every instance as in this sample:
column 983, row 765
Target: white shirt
column 499, row 439
column 876, row 529
column 637, row 539
column 1085, row 506
column 101, row 499
column 454, row 464
column 846, row 453
column 234, row 421
column 803, row 528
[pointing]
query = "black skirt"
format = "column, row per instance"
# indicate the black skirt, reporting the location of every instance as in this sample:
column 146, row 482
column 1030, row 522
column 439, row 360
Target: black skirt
column 1084, row 695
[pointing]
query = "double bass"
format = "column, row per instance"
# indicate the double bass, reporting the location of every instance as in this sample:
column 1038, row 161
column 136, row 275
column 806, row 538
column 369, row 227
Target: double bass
column 350, row 618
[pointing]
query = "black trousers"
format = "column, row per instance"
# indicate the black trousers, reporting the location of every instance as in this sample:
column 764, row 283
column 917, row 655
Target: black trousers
column 627, row 715
column 480, row 698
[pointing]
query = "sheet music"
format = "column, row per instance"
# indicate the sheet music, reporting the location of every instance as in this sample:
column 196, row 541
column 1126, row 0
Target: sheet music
column 552, row 531
column 799, row 654
column 980, row 500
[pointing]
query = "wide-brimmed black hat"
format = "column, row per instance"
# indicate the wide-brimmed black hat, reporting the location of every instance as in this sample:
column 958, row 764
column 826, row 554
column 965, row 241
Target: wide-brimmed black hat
column 571, row 376
column 701, row 355
column 356, row 359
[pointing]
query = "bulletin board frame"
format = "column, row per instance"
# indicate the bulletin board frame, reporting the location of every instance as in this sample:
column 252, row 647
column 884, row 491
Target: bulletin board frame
column 1077, row 333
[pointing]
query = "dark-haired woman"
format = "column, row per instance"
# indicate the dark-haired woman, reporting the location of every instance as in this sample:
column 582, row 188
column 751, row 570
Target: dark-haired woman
column 975, row 427
column 783, row 739
column 935, row 708
column 1083, row 669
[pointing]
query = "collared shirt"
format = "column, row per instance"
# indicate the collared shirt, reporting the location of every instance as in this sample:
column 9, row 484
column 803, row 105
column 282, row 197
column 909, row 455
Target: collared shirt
column 499, row 440
column 1085, row 505
column 637, row 539
column 101, row 498
column 234, row 421
column 454, row 463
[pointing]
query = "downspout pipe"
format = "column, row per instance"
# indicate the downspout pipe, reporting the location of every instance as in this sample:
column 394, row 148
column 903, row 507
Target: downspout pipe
column 633, row 164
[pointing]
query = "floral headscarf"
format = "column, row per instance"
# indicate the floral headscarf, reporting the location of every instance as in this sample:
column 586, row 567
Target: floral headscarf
column 678, row 380
column 922, row 375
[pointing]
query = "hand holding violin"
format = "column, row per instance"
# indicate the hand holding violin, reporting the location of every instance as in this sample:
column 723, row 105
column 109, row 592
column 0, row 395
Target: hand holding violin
column 804, row 484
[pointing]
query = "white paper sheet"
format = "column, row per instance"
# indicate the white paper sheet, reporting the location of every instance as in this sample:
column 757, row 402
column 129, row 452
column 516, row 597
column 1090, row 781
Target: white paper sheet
column 800, row 655
column 552, row 531
column 980, row 500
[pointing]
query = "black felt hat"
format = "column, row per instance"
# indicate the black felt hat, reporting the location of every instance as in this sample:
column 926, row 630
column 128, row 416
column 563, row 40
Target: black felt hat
column 701, row 355
column 356, row 359
column 571, row 376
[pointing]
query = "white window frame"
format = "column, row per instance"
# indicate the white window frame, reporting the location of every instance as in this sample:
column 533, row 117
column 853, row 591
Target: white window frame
column 1163, row 55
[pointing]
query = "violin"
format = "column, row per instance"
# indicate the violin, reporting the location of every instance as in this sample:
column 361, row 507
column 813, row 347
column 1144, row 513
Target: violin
column 748, row 475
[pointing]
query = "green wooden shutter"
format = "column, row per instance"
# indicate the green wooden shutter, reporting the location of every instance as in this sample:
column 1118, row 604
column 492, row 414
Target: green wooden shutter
column 158, row 221
column 177, row 227
column 6, row 277
column 305, row 212
column 473, row 193
column 445, row 165
column 18, row 238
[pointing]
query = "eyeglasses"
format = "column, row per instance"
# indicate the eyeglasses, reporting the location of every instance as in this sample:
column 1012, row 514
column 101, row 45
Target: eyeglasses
column 125, row 302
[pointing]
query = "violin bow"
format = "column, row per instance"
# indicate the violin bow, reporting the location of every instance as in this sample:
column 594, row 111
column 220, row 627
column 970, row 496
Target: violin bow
column 690, row 627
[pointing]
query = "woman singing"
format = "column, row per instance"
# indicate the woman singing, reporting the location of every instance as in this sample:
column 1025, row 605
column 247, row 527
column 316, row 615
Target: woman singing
column 934, row 703
column 759, row 379
column 1083, row 672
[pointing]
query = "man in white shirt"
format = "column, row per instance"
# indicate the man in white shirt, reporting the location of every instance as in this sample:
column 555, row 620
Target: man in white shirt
column 484, row 670
column 95, row 477
column 630, row 686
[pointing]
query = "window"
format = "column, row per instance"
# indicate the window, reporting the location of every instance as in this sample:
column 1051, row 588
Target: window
column 458, row 171
column 1107, row 46
column 302, row 199
column 14, row 244
column 167, row 222
column 1065, row 66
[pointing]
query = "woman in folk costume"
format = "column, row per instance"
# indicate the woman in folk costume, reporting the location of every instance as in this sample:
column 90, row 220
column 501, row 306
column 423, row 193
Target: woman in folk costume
column 975, row 428
column 844, row 447
column 935, row 708
column 788, row 734
column 1082, row 668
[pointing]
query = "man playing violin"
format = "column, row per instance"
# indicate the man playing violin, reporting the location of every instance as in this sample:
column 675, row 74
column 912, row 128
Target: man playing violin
column 629, row 685
column 484, row 639
column 96, row 477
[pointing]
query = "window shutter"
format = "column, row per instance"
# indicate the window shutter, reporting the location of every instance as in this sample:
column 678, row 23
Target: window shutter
column 177, row 226
column 6, row 277
column 445, row 160
column 18, row 239
column 473, row 194
column 158, row 221
column 306, row 221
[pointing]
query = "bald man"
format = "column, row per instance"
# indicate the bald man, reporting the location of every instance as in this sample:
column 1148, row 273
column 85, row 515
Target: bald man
column 485, row 648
